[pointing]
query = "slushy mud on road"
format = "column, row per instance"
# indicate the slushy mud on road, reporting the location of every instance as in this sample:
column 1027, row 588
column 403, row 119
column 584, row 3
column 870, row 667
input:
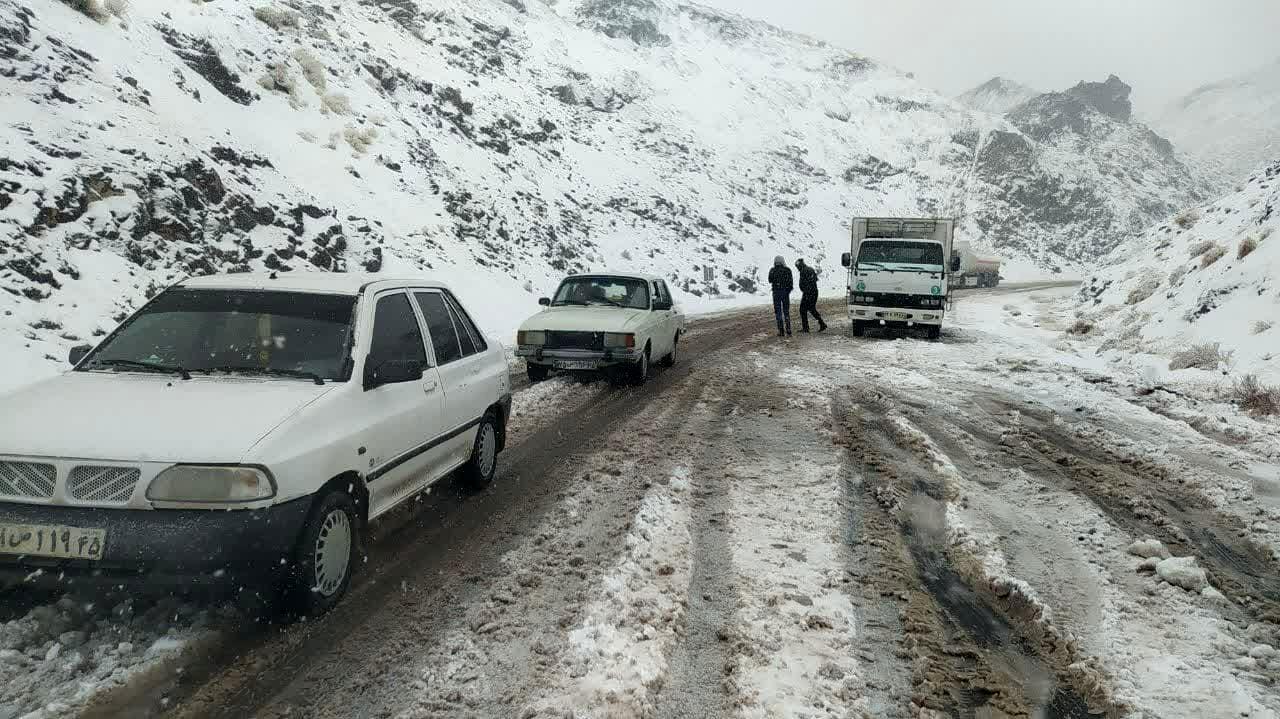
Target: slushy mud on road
column 994, row 525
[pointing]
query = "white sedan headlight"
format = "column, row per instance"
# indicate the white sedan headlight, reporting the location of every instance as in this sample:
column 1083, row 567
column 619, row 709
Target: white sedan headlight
column 619, row 339
column 211, row 485
column 531, row 337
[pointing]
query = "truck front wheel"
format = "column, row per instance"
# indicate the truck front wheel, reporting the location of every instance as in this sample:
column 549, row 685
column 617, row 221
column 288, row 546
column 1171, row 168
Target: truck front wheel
column 934, row 332
column 859, row 329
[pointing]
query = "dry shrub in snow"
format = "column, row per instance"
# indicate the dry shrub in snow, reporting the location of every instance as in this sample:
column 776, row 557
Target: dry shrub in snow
column 1247, row 246
column 336, row 103
column 1256, row 398
column 100, row 10
column 1262, row 326
column 1187, row 219
column 312, row 69
column 276, row 18
column 1080, row 328
column 1266, row 232
column 279, row 79
column 1214, row 254
column 1201, row 247
column 1202, row 356
column 1175, row 277
column 360, row 138
column 1145, row 289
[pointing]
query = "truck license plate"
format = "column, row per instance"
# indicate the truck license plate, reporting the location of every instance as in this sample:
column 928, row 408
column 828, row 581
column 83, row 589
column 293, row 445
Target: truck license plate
column 899, row 316
column 43, row 540
column 575, row 364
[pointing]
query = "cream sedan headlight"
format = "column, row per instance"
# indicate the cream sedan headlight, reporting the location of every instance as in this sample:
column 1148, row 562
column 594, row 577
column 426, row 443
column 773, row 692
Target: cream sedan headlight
column 211, row 485
column 531, row 337
column 619, row 339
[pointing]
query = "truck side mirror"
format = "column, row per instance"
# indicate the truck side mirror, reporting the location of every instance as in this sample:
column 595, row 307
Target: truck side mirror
column 78, row 353
column 955, row 263
column 846, row 260
column 544, row 301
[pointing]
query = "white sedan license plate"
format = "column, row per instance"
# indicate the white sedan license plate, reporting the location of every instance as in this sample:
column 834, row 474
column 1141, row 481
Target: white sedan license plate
column 575, row 364
column 42, row 540
column 899, row 316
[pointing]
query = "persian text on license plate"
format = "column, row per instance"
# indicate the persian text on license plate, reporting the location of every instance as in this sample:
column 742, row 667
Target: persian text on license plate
column 575, row 364
column 43, row 540
column 899, row 316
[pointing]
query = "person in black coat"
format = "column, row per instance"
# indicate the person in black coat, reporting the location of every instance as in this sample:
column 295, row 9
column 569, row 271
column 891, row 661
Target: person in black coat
column 809, row 297
column 781, row 281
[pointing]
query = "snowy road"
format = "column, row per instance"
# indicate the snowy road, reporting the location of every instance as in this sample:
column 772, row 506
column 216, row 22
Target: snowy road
column 996, row 525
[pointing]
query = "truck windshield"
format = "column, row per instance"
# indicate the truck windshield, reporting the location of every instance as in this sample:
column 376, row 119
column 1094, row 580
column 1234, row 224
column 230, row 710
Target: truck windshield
column 233, row 331
column 615, row 291
column 901, row 255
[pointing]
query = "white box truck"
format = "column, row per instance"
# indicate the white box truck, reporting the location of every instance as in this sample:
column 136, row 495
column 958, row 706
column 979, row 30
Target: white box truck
column 898, row 273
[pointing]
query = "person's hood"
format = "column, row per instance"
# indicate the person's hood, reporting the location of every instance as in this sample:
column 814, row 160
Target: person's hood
column 576, row 318
column 147, row 417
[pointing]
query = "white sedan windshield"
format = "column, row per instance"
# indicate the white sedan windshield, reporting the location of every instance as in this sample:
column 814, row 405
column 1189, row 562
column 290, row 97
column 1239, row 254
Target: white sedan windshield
column 614, row 291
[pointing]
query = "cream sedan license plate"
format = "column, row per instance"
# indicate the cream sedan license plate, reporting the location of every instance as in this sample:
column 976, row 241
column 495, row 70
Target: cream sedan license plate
column 575, row 364
column 43, row 540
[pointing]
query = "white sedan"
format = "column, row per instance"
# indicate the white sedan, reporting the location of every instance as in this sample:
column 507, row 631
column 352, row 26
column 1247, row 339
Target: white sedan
column 616, row 323
column 246, row 428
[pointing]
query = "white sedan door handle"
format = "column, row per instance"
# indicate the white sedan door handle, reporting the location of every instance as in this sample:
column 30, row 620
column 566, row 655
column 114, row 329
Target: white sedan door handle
column 430, row 386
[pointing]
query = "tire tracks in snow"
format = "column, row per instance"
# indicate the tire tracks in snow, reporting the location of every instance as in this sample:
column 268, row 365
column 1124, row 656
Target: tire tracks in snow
column 1137, row 492
column 974, row 647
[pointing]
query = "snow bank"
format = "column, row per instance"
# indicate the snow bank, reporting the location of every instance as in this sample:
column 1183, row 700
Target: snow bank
column 1182, row 572
column 58, row 656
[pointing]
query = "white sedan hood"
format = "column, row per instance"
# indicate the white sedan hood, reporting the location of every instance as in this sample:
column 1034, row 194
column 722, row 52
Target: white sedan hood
column 157, row 418
column 585, row 319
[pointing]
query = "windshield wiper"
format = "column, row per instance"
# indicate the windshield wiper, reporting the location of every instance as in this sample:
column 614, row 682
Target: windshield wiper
column 570, row 302
column 139, row 364
column 874, row 264
column 280, row 372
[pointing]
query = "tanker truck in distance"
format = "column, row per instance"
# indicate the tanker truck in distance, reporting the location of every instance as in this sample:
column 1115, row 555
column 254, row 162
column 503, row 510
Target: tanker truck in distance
column 975, row 270
column 899, row 269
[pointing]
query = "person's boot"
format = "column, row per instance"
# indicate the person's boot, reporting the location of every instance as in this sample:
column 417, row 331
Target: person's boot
column 822, row 327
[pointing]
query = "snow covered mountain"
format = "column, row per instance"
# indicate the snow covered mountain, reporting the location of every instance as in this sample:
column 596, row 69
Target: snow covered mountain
column 1207, row 275
column 500, row 143
column 997, row 96
column 1229, row 128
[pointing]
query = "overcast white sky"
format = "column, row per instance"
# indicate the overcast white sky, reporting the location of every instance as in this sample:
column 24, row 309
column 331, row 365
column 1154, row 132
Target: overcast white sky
column 1163, row 48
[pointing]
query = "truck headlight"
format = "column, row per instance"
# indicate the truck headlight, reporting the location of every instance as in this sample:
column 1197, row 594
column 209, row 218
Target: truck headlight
column 189, row 483
column 531, row 337
column 619, row 339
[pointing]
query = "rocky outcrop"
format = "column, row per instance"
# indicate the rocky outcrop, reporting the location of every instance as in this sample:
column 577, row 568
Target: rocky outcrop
column 1111, row 98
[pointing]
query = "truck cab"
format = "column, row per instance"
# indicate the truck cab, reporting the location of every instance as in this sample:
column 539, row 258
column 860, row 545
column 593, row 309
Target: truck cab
column 898, row 273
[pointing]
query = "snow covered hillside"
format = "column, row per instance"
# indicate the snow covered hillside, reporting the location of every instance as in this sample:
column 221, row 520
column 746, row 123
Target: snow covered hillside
column 500, row 143
column 997, row 96
column 1208, row 275
column 1230, row 128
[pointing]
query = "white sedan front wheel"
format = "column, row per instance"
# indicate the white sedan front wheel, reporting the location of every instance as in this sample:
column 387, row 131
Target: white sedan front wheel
column 325, row 555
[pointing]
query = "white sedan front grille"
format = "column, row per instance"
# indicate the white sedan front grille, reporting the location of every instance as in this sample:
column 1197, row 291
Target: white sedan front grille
column 28, row 480
column 102, row 484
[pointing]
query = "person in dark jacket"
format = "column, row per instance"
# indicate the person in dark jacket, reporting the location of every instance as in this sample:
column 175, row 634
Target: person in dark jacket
column 781, row 281
column 809, row 297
